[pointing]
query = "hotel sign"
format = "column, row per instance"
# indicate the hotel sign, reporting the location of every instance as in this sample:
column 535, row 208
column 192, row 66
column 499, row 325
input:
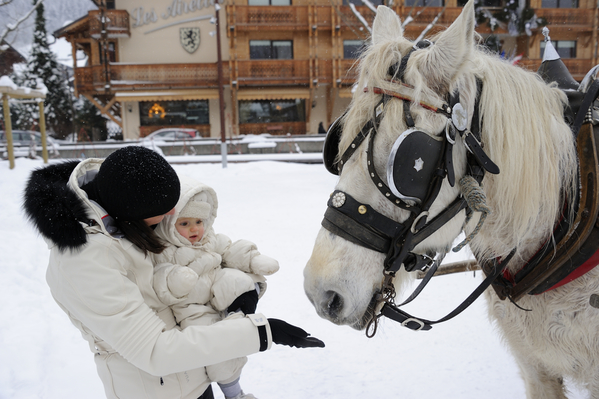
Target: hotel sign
column 141, row 17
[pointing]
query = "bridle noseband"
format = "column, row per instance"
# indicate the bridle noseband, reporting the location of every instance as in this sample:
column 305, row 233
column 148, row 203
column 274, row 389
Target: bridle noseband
column 362, row 225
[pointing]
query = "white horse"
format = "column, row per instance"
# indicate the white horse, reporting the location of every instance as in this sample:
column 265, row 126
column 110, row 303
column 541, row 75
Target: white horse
column 524, row 134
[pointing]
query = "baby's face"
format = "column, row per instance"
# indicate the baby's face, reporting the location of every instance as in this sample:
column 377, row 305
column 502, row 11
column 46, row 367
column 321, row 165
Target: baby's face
column 190, row 228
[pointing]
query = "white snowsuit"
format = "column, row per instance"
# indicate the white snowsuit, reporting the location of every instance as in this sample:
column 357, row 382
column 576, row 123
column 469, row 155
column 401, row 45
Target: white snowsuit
column 200, row 281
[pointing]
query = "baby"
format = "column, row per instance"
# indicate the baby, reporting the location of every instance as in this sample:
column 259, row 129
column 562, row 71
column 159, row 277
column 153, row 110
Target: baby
column 201, row 274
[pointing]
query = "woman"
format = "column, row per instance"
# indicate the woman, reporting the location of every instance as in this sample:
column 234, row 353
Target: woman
column 97, row 217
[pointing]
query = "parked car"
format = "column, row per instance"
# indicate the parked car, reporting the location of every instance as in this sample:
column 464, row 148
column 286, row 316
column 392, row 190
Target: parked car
column 172, row 134
column 24, row 138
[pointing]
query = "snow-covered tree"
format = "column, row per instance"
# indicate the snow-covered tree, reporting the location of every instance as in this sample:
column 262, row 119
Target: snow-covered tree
column 87, row 119
column 43, row 70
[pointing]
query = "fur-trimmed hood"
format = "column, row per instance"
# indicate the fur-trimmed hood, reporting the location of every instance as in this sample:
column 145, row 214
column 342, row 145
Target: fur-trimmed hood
column 191, row 191
column 58, row 208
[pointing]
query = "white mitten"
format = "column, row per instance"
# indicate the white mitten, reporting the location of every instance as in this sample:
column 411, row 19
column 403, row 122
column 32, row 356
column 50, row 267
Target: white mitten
column 262, row 264
column 206, row 262
column 181, row 280
column 184, row 256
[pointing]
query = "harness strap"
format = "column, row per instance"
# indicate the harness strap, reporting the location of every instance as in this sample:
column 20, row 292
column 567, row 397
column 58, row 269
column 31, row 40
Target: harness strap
column 347, row 218
column 405, row 319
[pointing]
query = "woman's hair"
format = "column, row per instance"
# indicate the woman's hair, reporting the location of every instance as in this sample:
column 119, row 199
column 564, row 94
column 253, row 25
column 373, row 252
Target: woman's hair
column 141, row 235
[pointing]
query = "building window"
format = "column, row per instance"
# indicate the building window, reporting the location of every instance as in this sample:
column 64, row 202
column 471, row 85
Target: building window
column 271, row 49
column 559, row 4
column 173, row 113
column 269, row 2
column 110, row 50
column 268, row 111
column 352, row 48
column 425, row 3
column 565, row 48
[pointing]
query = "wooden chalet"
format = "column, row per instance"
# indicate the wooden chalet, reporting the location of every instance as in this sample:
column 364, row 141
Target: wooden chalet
column 287, row 65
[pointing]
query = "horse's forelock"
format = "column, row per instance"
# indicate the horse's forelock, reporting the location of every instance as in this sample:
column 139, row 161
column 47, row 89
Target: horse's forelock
column 373, row 67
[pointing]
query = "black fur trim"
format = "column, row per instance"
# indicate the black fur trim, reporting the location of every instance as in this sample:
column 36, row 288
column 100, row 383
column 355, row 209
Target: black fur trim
column 54, row 208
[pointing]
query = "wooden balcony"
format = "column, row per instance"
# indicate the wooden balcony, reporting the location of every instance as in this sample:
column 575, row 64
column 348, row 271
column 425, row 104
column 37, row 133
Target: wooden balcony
column 272, row 72
column 149, row 77
column 116, row 23
column 347, row 72
column 577, row 67
column 253, row 18
column 565, row 19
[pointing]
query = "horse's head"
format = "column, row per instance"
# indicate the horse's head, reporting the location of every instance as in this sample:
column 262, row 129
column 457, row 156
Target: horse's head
column 400, row 153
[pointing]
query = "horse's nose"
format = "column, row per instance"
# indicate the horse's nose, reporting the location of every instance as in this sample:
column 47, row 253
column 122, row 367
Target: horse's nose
column 333, row 304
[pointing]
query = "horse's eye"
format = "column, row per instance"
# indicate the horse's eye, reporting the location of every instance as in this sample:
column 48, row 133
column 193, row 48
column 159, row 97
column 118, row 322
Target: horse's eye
column 393, row 69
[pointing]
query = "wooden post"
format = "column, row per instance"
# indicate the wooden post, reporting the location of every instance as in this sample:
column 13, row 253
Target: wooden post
column 8, row 131
column 43, row 132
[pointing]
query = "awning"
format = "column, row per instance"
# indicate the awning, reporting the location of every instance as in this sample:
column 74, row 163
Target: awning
column 273, row 94
column 167, row 95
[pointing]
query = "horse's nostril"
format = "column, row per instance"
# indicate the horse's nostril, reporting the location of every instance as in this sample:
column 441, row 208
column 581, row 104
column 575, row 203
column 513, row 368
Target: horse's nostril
column 334, row 303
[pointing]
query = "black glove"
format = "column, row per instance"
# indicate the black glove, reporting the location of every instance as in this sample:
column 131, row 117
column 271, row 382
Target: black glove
column 284, row 333
column 245, row 302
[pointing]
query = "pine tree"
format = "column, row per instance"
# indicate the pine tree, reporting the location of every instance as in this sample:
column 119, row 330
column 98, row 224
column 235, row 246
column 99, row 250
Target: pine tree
column 43, row 68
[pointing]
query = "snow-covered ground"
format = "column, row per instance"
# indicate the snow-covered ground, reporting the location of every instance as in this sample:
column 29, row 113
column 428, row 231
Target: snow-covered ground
column 279, row 206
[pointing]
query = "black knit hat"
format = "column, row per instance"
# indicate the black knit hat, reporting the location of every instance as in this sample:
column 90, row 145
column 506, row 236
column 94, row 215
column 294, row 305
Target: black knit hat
column 136, row 183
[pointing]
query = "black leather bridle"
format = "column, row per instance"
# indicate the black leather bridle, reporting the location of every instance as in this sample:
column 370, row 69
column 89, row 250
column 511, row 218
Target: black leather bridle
column 362, row 225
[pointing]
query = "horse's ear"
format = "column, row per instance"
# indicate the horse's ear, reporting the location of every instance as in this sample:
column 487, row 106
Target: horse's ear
column 451, row 49
column 386, row 25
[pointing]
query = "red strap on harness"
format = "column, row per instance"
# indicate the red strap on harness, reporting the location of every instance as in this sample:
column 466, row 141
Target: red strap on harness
column 579, row 271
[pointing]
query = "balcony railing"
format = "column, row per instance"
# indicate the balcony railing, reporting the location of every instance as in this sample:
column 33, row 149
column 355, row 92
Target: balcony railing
column 567, row 18
column 116, row 23
column 272, row 72
column 578, row 67
column 155, row 76
column 268, row 17
column 347, row 73
column 297, row 17
column 283, row 128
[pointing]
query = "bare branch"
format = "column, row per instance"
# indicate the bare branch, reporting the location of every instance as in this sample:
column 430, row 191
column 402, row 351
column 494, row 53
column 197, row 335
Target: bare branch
column 409, row 18
column 430, row 26
column 13, row 27
column 368, row 4
column 360, row 17
column 5, row 2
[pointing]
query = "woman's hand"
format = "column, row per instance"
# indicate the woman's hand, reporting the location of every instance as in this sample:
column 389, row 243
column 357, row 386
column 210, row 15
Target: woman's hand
column 284, row 333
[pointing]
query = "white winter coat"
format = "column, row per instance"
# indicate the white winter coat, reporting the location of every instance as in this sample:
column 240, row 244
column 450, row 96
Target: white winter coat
column 105, row 287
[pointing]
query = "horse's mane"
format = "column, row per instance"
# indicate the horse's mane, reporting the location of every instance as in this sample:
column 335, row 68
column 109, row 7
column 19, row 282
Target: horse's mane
column 523, row 133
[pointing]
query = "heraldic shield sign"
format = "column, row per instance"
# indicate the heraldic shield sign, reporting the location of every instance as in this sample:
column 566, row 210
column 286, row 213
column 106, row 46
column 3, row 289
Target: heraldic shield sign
column 190, row 39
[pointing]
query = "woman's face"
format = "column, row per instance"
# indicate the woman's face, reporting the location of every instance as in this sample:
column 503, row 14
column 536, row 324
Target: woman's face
column 157, row 219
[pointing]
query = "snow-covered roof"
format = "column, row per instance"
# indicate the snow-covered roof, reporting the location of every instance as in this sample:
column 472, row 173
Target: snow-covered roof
column 7, row 86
